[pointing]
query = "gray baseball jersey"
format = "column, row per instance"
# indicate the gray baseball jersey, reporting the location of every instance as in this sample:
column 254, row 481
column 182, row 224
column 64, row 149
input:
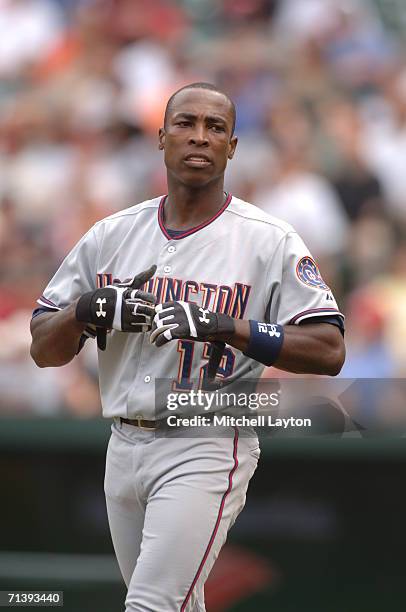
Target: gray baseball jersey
column 242, row 262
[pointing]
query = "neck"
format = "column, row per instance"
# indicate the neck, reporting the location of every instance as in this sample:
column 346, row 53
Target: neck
column 187, row 207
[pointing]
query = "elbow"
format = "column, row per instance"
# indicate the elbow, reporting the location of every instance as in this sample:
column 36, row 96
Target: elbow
column 336, row 360
column 37, row 357
column 44, row 359
column 47, row 348
column 36, row 348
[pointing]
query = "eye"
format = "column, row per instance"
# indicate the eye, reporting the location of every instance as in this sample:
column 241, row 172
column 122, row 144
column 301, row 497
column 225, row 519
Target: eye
column 218, row 128
column 183, row 123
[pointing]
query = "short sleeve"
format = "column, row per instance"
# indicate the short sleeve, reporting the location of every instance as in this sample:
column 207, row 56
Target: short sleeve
column 301, row 292
column 75, row 276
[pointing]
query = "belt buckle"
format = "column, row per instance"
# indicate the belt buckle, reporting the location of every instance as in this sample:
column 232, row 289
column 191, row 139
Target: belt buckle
column 139, row 421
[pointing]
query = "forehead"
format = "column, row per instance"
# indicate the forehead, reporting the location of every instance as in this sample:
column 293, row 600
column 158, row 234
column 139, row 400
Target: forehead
column 202, row 102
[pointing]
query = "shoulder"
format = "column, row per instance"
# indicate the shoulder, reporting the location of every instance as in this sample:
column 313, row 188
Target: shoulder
column 131, row 214
column 124, row 221
column 253, row 215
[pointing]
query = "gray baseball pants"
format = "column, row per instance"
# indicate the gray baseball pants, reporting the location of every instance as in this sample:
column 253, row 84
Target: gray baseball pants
column 170, row 503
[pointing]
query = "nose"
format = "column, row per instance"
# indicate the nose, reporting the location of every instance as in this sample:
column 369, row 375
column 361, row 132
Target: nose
column 199, row 136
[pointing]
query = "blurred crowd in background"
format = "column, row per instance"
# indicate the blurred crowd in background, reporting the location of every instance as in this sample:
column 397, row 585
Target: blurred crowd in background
column 320, row 90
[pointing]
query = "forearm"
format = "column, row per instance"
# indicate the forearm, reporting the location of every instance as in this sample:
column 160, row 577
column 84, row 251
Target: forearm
column 309, row 349
column 55, row 337
column 315, row 348
column 304, row 352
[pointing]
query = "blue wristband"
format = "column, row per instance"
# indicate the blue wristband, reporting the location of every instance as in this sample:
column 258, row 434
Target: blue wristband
column 265, row 343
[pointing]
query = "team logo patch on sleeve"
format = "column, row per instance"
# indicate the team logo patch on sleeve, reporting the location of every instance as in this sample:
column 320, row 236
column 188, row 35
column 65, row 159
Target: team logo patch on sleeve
column 309, row 274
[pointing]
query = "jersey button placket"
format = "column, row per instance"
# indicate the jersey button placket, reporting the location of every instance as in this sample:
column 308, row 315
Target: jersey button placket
column 144, row 362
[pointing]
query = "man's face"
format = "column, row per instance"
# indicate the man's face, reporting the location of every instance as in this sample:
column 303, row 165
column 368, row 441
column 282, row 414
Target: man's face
column 197, row 138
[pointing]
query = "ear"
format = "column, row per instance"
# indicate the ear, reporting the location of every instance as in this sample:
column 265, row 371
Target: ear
column 161, row 136
column 232, row 147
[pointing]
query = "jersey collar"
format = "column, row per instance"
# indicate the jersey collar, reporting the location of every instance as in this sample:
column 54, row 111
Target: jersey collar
column 192, row 230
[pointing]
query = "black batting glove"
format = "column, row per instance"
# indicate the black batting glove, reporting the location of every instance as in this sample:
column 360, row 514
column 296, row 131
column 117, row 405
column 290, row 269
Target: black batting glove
column 123, row 307
column 182, row 320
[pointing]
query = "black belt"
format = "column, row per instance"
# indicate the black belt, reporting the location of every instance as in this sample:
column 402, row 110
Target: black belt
column 155, row 424
column 140, row 423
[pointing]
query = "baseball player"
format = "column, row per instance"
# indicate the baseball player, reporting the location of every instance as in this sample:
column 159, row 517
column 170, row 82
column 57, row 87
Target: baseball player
column 158, row 284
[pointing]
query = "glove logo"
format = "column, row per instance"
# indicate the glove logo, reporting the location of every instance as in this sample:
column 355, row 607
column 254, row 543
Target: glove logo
column 101, row 312
column 204, row 319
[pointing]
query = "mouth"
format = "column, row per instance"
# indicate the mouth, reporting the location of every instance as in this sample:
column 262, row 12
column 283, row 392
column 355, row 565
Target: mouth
column 197, row 160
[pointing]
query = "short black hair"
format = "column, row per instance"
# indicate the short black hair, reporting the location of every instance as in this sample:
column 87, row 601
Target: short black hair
column 200, row 85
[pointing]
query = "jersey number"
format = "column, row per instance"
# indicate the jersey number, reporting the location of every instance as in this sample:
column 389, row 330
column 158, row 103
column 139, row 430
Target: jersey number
column 186, row 350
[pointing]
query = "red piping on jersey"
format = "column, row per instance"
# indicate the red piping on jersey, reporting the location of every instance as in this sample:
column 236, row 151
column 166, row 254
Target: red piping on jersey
column 193, row 229
column 216, row 526
column 312, row 311
column 44, row 299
